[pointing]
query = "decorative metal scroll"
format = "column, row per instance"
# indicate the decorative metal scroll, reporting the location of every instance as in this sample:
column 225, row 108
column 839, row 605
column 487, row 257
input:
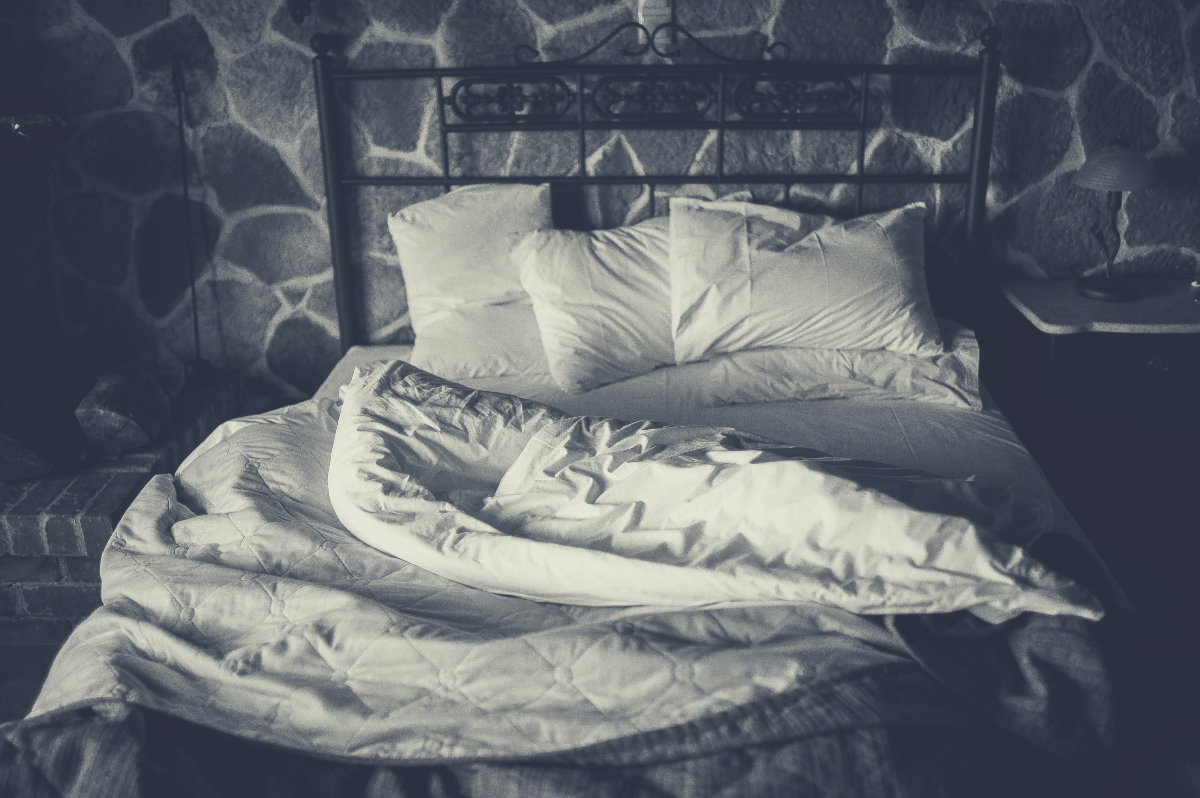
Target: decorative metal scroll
column 649, row 97
column 648, row 41
column 782, row 97
column 540, row 99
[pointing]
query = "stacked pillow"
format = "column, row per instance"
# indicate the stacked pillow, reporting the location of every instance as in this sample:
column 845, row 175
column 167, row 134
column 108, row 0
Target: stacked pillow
column 792, row 305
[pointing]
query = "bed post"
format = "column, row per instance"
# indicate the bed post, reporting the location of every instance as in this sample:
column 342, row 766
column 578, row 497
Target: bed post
column 339, row 244
column 981, row 151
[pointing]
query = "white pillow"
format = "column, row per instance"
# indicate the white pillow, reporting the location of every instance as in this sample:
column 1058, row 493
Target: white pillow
column 482, row 341
column 602, row 301
column 453, row 250
column 745, row 276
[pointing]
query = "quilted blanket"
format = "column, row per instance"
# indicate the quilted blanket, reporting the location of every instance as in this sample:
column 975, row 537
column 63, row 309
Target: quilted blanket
column 452, row 621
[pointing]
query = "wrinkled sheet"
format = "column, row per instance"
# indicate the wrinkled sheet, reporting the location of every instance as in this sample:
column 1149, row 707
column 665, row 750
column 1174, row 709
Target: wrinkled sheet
column 602, row 512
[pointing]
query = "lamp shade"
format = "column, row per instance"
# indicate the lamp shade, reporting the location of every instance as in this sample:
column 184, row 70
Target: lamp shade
column 1116, row 169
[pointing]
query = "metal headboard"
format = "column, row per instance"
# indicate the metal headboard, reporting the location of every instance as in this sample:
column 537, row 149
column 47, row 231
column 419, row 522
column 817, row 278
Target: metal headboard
column 724, row 95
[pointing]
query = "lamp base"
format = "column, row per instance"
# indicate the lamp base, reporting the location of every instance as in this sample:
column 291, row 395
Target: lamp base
column 1107, row 289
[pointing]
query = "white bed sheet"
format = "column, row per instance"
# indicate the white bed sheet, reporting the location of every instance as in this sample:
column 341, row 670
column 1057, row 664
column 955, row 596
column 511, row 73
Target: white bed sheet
column 951, row 442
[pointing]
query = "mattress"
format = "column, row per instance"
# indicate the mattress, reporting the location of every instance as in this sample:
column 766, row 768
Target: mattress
column 948, row 441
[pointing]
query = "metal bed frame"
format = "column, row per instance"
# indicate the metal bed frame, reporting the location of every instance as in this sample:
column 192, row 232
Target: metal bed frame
column 723, row 94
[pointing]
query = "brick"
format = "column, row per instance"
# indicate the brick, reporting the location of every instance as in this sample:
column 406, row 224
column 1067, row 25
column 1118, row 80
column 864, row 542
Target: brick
column 81, row 569
column 29, row 569
column 9, row 607
column 62, row 535
column 77, row 495
column 60, row 601
column 98, row 522
column 24, row 518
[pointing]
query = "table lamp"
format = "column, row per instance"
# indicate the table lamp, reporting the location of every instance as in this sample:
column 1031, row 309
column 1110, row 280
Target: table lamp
column 1115, row 169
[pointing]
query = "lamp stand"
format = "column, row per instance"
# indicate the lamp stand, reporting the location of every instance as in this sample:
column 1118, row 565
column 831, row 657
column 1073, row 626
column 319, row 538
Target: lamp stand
column 1108, row 288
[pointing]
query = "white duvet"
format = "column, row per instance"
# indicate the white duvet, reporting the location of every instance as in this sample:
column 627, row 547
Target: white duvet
column 602, row 512
column 234, row 596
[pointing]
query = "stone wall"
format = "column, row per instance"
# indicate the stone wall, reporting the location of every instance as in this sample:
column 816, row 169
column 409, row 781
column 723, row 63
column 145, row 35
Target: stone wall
column 1075, row 76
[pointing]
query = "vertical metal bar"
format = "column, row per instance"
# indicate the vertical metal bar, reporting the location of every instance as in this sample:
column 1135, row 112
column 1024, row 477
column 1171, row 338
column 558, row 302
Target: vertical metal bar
column 445, row 137
column 344, row 282
column 651, row 199
column 981, row 150
column 863, row 95
column 180, row 102
column 582, row 132
column 721, row 124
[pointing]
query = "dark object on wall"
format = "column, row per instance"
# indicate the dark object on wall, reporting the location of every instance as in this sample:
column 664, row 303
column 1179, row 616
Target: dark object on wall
column 123, row 411
column 299, row 10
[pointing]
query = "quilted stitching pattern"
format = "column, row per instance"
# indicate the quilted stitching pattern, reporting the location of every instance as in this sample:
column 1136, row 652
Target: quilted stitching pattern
column 234, row 598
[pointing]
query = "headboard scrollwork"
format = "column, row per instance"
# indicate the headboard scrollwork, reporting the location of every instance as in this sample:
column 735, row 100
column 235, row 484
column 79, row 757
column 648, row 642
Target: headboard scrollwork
column 714, row 93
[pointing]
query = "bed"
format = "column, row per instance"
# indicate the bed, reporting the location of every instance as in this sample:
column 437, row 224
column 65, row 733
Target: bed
column 676, row 529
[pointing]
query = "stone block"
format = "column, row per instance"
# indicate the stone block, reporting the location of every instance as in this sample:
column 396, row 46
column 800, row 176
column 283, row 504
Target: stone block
column 846, row 32
column 161, row 254
column 484, row 33
column 81, row 569
column 246, row 171
column 1033, row 133
column 1050, row 222
column 1045, row 46
column 1143, row 38
column 302, row 353
column 723, row 14
column 79, row 73
column 391, row 112
column 1109, row 109
column 29, row 569
column 240, row 24
column 1185, row 126
column 421, row 17
column 956, row 22
column 233, row 315
column 271, row 88
column 383, row 288
column 93, row 228
column 937, row 108
column 1166, row 214
column 279, row 246
column 666, row 152
column 568, row 41
column 60, row 601
column 121, row 17
column 555, row 11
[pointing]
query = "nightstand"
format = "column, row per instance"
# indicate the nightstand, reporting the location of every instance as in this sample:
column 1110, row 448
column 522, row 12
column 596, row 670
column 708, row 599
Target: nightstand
column 1107, row 397
column 1113, row 367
